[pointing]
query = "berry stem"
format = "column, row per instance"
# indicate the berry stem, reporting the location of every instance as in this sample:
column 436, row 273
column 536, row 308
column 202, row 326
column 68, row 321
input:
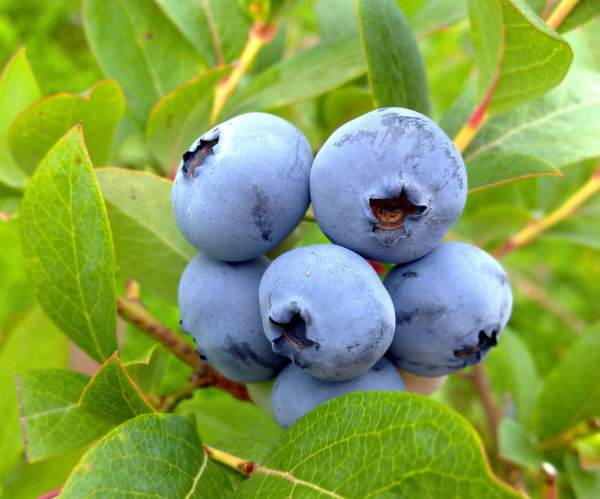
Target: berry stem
column 259, row 36
column 244, row 466
column 550, row 485
column 567, row 209
column 133, row 311
column 561, row 12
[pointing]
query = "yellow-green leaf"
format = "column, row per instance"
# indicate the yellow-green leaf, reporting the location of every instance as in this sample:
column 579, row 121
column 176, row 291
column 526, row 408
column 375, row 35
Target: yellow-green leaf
column 39, row 127
column 518, row 56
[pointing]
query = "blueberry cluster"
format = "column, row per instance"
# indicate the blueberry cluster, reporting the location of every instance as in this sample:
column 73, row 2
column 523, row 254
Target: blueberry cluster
column 386, row 186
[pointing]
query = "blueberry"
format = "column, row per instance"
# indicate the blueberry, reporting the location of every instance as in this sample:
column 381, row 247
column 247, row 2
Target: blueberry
column 218, row 304
column 295, row 392
column 450, row 306
column 243, row 187
column 325, row 308
column 388, row 185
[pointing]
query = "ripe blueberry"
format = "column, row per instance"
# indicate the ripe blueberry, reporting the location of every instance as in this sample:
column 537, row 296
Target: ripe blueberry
column 388, row 185
column 450, row 306
column 295, row 392
column 242, row 187
column 326, row 309
column 218, row 305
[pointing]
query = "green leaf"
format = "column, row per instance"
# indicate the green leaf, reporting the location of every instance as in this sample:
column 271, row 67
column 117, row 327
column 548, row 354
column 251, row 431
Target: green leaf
column 376, row 444
column 181, row 117
column 220, row 416
column 518, row 56
column 302, row 76
column 35, row 132
column 51, row 419
column 584, row 11
column 585, row 484
column 31, row 342
column 518, row 446
column 18, row 90
column 147, row 55
column 538, row 128
column 571, row 391
column 510, row 367
column 217, row 28
column 148, row 246
column 394, row 65
column 112, row 394
column 154, row 455
column 68, row 249
column 494, row 169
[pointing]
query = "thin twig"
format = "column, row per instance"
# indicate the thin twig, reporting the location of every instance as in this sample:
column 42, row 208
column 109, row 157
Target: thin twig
column 567, row 209
column 133, row 311
column 259, row 36
column 482, row 386
column 561, row 12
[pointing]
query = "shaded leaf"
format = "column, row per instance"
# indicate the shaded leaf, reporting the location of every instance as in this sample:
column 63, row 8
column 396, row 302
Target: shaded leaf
column 584, row 11
column 518, row 446
column 147, row 55
column 538, row 128
column 517, row 54
column 112, row 394
column 154, row 455
column 220, row 416
column 139, row 210
column 510, row 367
column 68, row 249
column 588, row 448
column 494, row 169
column 336, row 18
column 18, row 90
column 571, row 391
column 15, row 292
column 35, row 132
column 32, row 480
column 583, row 230
column 585, row 484
column 181, row 117
column 51, row 419
column 217, row 28
column 437, row 15
column 376, row 444
column 302, row 76
column 394, row 65
column 31, row 342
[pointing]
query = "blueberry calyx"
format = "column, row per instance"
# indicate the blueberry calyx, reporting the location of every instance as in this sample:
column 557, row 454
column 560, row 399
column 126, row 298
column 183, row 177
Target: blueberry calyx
column 195, row 157
column 293, row 339
column 485, row 343
column 391, row 214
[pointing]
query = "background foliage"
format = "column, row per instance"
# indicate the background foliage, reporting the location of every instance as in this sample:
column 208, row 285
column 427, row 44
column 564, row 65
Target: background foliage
column 99, row 98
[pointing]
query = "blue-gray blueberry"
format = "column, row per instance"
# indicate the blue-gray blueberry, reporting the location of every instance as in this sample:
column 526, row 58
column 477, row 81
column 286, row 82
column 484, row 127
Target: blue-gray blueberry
column 218, row 306
column 450, row 307
column 243, row 186
column 388, row 185
column 325, row 308
column 295, row 392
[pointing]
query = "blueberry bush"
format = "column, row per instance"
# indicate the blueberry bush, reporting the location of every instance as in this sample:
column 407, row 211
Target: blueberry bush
column 103, row 393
